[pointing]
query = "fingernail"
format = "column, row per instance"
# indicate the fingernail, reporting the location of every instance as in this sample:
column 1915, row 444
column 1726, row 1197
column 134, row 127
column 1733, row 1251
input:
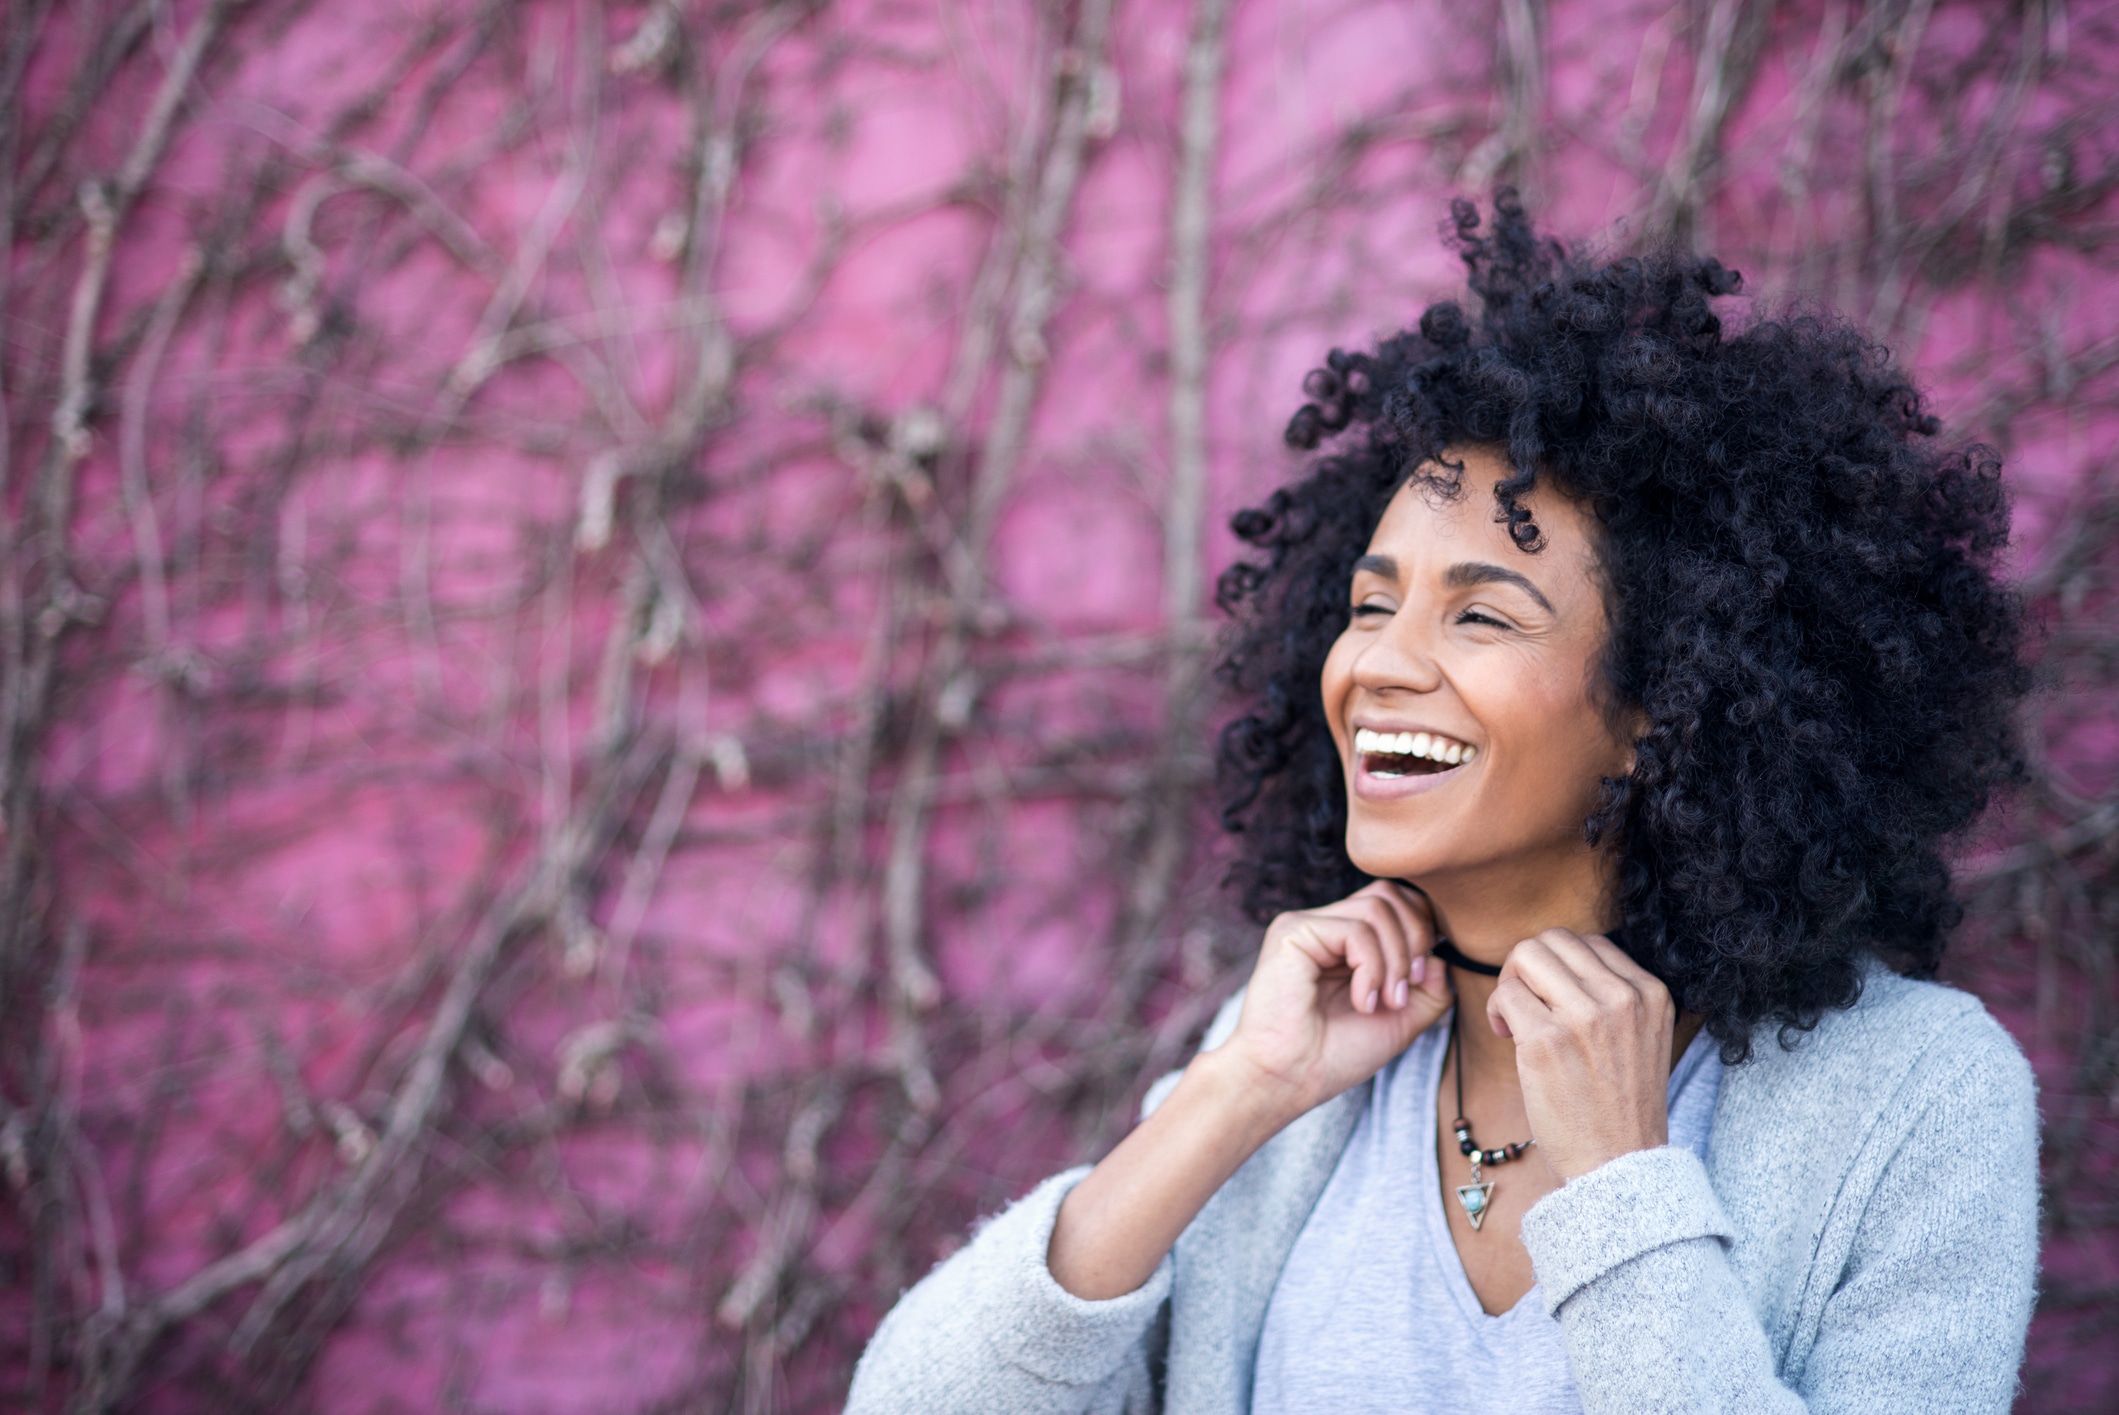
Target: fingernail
column 1420, row 969
column 1374, row 996
column 1401, row 994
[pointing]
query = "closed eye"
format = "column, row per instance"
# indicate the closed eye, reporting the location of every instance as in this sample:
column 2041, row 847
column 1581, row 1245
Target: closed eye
column 1473, row 616
column 1363, row 610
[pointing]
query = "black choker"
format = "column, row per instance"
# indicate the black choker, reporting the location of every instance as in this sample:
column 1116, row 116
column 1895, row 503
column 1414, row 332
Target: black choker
column 1449, row 953
column 1456, row 958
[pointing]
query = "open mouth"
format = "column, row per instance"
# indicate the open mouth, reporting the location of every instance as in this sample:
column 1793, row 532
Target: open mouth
column 1389, row 755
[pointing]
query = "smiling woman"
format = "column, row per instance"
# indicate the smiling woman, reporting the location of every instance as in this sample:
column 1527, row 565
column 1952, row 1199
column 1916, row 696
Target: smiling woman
column 1613, row 688
column 1456, row 651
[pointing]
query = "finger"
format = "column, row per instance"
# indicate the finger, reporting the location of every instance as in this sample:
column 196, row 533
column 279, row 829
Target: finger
column 1542, row 963
column 1604, row 970
column 1514, row 1010
column 1578, row 952
column 1335, row 941
column 1622, row 963
column 1319, row 937
column 1389, row 924
column 1371, row 905
column 1364, row 954
column 1416, row 917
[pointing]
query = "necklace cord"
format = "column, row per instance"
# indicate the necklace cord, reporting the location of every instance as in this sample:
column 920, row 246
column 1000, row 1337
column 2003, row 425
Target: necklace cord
column 1465, row 1144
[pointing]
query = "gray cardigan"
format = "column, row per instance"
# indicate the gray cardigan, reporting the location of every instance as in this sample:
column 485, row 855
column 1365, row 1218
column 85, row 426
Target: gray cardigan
column 1862, row 1237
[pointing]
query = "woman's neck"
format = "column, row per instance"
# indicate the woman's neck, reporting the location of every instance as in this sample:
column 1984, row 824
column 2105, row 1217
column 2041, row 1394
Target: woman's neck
column 1485, row 918
column 1487, row 1057
column 1485, row 923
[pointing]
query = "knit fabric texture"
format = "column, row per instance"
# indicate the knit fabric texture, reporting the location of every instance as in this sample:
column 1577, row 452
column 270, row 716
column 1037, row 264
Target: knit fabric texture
column 1862, row 1237
column 1375, row 1269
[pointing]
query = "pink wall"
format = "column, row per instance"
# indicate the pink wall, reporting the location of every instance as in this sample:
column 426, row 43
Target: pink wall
column 454, row 959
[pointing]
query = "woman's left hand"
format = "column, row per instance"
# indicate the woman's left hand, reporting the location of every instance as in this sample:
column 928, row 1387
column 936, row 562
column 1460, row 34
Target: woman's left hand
column 1592, row 1031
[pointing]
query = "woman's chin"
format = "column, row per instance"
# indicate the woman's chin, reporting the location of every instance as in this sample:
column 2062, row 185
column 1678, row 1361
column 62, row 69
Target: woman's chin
column 1393, row 858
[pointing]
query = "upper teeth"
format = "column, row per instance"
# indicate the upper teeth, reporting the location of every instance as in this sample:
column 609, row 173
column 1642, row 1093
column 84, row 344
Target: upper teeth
column 1413, row 744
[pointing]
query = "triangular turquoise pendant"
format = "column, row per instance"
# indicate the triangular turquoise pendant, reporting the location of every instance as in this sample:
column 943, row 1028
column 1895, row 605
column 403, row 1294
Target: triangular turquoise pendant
column 1474, row 1197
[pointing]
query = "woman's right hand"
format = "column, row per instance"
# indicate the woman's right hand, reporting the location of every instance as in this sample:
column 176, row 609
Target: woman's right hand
column 1338, row 992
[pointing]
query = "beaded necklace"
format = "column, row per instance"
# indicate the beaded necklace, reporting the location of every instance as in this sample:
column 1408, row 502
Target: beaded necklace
column 1477, row 1196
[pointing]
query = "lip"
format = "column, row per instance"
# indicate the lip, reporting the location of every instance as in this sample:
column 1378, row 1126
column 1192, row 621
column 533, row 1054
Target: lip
column 1370, row 787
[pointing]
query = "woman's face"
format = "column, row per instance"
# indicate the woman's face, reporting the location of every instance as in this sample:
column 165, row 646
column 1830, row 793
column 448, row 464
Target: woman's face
column 1462, row 694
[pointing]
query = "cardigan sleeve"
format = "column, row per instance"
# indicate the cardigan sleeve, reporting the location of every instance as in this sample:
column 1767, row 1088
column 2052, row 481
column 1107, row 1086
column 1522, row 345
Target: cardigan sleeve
column 1928, row 1312
column 990, row 1330
column 1932, row 1309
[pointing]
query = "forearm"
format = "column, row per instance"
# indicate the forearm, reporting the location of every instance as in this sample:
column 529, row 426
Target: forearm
column 1119, row 1222
column 1632, row 1260
column 1921, row 1276
column 1674, row 1323
column 989, row 1330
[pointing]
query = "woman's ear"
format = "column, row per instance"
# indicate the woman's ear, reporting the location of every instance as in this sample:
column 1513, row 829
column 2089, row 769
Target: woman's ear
column 1636, row 729
column 1628, row 730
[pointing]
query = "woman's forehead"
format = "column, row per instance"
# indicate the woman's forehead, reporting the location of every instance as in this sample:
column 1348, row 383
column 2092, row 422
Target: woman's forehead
column 1425, row 520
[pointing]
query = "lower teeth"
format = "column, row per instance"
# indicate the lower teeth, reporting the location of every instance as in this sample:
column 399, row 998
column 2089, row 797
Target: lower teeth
column 1390, row 768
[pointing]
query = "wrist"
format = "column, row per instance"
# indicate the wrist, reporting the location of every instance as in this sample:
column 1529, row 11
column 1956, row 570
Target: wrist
column 1575, row 1162
column 1251, row 1100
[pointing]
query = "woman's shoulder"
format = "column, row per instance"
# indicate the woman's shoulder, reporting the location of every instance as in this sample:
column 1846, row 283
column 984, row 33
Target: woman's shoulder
column 1905, row 1045
column 1912, row 1016
column 1891, row 1131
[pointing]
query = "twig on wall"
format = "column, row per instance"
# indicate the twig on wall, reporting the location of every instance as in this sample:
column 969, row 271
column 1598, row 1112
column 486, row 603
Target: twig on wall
column 951, row 682
column 1723, row 65
column 1519, row 74
column 1165, row 806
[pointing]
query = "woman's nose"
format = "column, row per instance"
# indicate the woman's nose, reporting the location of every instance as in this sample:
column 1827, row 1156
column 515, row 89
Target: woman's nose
column 1401, row 657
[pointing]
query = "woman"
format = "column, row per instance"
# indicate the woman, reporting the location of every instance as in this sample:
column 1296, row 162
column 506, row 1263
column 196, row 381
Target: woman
column 1657, row 668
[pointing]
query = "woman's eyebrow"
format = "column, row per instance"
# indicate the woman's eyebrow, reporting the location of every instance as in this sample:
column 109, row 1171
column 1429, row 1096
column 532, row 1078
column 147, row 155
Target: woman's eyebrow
column 1377, row 565
column 1467, row 573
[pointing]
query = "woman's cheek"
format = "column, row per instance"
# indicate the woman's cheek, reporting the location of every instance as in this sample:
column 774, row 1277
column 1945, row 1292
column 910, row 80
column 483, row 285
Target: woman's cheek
column 1338, row 679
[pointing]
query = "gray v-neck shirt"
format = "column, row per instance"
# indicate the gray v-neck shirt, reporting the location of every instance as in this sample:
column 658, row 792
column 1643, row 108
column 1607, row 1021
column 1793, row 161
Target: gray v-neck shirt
column 1373, row 1314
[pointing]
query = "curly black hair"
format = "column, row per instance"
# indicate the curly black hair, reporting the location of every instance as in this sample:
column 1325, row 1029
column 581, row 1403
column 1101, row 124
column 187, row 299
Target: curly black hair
column 1804, row 610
